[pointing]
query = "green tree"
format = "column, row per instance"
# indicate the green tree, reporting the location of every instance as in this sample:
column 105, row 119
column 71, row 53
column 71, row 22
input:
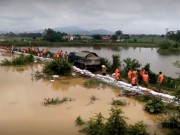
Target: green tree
column 116, row 62
column 131, row 64
column 97, row 37
column 114, row 38
column 119, row 33
column 116, row 125
column 177, row 89
column 53, row 36
column 95, row 126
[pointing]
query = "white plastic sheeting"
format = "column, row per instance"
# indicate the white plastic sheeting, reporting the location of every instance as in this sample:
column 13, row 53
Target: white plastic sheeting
column 124, row 85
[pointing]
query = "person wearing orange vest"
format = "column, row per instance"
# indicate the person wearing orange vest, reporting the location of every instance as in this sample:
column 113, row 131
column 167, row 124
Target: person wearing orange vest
column 134, row 72
column 134, row 80
column 160, row 80
column 129, row 74
column 141, row 73
column 145, row 78
column 117, row 74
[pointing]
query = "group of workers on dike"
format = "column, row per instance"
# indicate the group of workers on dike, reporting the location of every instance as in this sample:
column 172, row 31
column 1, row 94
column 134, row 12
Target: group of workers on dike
column 136, row 78
column 45, row 53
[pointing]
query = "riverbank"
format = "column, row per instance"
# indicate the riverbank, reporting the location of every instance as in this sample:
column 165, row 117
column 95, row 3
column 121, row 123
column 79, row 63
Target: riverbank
column 76, row 44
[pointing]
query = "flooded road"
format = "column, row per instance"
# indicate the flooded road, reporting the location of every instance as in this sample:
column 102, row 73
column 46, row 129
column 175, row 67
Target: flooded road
column 22, row 111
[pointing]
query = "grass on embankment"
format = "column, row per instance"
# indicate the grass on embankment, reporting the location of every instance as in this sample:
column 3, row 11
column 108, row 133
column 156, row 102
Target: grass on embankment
column 21, row 60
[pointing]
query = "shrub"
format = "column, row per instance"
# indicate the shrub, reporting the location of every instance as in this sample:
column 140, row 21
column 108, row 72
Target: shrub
column 95, row 126
column 131, row 64
column 118, row 102
column 172, row 122
column 79, row 121
column 155, row 106
column 138, row 128
column 116, row 62
column 115, row 124
column 58, row 66
column 165, row 45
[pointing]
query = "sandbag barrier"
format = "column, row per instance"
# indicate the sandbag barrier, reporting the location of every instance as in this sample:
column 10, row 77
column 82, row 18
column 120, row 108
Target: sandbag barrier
column 126, row 86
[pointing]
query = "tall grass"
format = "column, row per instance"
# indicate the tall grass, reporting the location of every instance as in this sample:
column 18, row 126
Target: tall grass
column 21, row 60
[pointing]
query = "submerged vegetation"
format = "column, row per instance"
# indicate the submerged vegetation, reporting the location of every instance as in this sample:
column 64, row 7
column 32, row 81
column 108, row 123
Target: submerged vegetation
column 79, row 121
column 20, row 60
column 93, row 98
column 143, row 98
column 54, row 101
column 114, row 125
column 118, row 102
column 92, row 83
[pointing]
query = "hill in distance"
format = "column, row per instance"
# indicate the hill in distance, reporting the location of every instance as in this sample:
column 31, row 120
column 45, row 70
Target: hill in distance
column 73, row 30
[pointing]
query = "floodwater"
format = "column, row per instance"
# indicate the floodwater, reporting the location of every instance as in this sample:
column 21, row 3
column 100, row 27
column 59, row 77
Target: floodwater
column 157, row 62
column 22, row 111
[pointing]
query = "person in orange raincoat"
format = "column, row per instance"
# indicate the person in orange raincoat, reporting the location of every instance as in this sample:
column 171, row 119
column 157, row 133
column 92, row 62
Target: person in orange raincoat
column 145, row 78
column 129, row 74
column 141, row 73
column 134, row 80
column 117, row 74
column 160, row 80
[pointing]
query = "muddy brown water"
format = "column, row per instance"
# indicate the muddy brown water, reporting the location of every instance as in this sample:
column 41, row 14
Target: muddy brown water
column 22, row 111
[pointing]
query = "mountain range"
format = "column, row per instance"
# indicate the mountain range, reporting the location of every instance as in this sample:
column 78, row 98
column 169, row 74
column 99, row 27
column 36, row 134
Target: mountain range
column 77, row 30
column 73, row 30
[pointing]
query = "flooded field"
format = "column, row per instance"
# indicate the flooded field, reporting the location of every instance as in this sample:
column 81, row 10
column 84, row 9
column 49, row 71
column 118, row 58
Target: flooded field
column 22, row 111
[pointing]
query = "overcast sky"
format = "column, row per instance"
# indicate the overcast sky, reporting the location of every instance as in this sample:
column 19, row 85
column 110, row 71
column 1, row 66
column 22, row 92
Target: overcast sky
column 130, row 16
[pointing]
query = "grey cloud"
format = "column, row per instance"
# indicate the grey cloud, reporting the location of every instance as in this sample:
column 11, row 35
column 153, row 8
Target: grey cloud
column 132, row 16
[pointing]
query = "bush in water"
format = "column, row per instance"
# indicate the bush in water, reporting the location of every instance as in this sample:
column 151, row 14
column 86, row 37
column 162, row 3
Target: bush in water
column 95, row 126
column 138, row 128
column 54, row 101
column 92, row 83
column 79, row 121
column 173, row 122
column 118, row 102
column 114, row 125
column 58, row 67
column 155, row 106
